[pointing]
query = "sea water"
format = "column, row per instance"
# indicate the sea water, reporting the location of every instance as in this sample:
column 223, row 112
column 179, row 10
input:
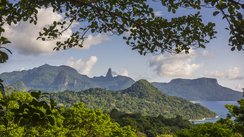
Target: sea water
column 217, row 106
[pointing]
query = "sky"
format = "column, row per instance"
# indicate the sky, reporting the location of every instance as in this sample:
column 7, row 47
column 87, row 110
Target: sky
column 102, row 51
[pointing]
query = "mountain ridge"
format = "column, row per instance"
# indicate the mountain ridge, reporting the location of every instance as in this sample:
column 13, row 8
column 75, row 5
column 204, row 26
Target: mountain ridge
column 48, row 78
column 44, row 78
column 198, row 89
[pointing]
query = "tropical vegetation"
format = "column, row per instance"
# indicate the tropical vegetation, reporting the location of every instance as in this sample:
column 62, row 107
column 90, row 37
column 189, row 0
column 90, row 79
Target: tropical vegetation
column 141, row 98
column 28, row 114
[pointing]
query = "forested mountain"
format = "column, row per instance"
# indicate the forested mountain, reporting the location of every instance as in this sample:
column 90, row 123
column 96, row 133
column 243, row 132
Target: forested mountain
column 59, row 78
column 141, row 98
column 34, row 113
column 198, row 89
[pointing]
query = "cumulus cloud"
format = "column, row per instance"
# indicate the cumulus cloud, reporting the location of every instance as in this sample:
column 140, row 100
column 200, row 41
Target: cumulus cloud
column 23, row 35
column 233, row 73
column 83, row 66
column 122, row 72
column 180, row 65
column 94, row 40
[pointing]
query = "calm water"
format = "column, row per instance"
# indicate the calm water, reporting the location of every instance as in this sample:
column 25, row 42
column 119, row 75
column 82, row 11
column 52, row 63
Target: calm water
column 216, row 106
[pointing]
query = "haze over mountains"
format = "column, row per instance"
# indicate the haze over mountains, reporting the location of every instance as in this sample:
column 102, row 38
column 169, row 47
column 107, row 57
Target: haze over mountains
column 59, row 78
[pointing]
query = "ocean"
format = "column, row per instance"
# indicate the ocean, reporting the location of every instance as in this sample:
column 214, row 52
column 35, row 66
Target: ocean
column 216, row 106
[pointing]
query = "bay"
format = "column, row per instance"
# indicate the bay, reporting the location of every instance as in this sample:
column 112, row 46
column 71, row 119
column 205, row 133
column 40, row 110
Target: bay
column 217, row 106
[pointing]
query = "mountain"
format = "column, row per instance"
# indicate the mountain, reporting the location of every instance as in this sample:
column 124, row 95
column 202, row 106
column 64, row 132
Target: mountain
column 198, row 89
column 59, row 78
column 113, row 83
column 143, row 89
column 142, row 97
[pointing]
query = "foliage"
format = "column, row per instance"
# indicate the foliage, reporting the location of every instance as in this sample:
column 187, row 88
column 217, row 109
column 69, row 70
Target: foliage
column 208, row 130
column 25, row 114
column 85, row 122
column 77, row 120
column 231, row 126
column 236, row 112
column 231, row 11
column 2, row 88
column 151, row 126
column 141, row 98
column 148, row 34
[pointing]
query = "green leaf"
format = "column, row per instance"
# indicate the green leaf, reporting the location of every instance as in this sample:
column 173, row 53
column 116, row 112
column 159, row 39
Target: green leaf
column 215, row 13
column 51, row 120
column 36, row 95
column 3, row 57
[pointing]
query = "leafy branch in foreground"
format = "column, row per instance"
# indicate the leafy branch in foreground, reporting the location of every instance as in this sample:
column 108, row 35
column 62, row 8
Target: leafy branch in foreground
column 146, row 32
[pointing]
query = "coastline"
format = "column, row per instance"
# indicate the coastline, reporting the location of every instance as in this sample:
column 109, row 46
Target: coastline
column 204, row 119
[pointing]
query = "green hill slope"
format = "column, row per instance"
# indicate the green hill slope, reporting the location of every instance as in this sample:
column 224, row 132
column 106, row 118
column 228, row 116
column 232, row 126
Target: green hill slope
column 141, row 98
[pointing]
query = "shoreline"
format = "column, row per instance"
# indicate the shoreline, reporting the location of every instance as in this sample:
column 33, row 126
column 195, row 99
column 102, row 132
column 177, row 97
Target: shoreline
column 204, row 119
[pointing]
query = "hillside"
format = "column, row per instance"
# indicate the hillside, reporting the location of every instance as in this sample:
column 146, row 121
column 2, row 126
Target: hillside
column 150, row 126
column 141, row 98
column 198, row 89
column 59, row 78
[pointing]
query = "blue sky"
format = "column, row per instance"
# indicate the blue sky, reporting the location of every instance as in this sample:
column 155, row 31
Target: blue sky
column 102, row 51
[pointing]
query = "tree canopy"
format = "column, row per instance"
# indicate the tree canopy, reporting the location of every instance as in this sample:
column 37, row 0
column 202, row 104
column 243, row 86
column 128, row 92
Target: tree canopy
column 147, row 33
column 231, row 126
column 25, row 114
column 36, row 114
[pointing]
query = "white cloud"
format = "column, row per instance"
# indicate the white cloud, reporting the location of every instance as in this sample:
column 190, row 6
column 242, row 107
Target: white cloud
column 239, row 87
column 83, row 66
column 22, row 68
column 122, row 72
column 94, row 40
column 180, row 65
column 23, row 35
column 205, row 53
column 233, row 73
column 158, row 13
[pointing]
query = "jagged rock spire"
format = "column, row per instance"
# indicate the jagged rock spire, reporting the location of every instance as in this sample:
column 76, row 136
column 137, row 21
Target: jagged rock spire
column 109, row 73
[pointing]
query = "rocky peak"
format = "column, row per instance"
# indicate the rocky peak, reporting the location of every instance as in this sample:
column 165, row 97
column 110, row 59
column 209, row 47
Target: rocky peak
column 109, row 73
